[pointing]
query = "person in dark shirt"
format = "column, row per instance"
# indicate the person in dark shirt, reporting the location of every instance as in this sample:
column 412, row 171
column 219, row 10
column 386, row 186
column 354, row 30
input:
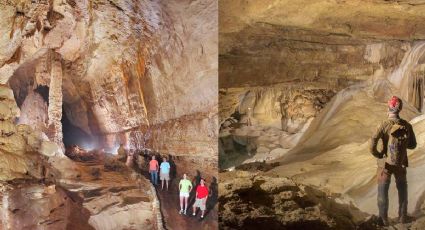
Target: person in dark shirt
column 397, row 136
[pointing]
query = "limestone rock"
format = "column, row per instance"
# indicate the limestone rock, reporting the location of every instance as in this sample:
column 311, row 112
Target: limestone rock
column 34, row 111
column 262, row 149
column 50, row 149
column 278, row 152
column 250, row 200
column 141, row 57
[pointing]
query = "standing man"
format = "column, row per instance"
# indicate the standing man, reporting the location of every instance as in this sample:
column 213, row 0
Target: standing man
column 153, row 170
column 397, row 136
column 185, row 187
column 201, row 198
column 164, row 173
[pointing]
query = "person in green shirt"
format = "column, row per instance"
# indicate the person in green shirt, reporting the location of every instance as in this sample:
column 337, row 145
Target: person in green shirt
column 185, row 187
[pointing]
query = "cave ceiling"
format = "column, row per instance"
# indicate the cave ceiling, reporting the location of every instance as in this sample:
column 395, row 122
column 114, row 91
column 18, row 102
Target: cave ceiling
column 328, row 21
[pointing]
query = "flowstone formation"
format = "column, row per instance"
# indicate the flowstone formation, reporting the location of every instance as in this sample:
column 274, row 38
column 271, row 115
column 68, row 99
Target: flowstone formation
column 97, row 74
column 353, row 60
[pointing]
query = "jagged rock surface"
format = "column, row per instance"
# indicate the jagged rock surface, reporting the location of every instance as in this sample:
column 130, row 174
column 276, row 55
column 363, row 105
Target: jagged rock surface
column 127, row 71
column 250, row 201
column 93, row 199
column 138, row 73
column 362, row 51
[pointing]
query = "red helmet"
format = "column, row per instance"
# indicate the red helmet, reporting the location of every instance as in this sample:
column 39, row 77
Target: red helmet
column 395, row 104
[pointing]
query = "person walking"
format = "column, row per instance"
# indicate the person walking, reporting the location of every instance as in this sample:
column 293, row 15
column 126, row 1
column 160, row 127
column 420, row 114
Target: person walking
column 201, row 198
column 153, row 170
column 164, row 173
column 397, row 136
column 185, row 187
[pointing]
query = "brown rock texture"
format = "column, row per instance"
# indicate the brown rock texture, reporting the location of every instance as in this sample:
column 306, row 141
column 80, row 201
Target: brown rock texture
column 108, row 72
column 250, row 201
column 286, row 60
column 141, row 73
column 351, row 56
column 95, row 198
column 21, row 148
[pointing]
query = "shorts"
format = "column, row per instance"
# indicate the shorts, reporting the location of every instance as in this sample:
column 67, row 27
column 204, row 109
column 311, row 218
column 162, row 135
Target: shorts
column 184, row 194
column 164, row 176
column 200, row 203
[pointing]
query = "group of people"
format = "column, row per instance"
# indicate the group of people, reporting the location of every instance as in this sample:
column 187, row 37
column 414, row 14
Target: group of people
column 396, row 134
column 163, row 170
column 185, row 186
column 201, row 196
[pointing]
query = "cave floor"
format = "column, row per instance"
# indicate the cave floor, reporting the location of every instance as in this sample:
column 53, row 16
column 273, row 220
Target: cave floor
column 170, row 207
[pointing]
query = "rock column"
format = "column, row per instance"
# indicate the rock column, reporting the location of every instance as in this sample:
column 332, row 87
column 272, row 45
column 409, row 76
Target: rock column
column 55, row 103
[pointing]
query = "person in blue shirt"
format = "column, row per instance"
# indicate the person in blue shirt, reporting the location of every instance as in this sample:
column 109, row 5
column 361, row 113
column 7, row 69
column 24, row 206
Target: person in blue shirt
column 164, row 173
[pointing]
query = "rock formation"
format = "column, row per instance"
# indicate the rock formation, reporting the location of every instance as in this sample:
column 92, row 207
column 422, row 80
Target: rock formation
column 121, row 66
column 353, row 55
column 250, row 201
column 138, row 73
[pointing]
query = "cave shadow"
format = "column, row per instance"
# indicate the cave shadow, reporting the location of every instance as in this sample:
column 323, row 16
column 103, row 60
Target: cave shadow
column 173, row 171
column 213, row 196
column 146, row 155
column 212, row 193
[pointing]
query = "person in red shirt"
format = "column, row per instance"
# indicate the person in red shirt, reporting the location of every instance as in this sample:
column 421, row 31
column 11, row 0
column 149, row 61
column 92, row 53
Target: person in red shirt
column 201, row 198
column 153, row 170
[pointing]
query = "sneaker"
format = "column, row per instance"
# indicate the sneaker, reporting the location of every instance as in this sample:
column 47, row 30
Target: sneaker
column 184, row 212
column 202, row 217
column 193, row 214
column 181, row 211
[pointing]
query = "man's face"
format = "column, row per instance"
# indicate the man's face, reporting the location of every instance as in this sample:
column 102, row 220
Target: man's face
column 163, row 159
column 202, row 182
column 153, row 158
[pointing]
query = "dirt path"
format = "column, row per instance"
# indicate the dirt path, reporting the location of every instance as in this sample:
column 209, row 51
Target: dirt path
column 170, row 203
column 170, row 207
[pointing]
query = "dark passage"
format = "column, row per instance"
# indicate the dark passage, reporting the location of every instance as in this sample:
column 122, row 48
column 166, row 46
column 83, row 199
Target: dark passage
column 73, row 135
column 44, row 92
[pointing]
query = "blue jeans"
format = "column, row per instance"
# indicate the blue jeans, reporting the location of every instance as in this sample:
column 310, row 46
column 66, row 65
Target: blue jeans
column 154, row 177
column 384, row 179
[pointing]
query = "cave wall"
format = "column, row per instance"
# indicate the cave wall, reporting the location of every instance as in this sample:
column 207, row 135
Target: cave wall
column 182, row 110
column 271, row 69
column 266, row 55
column 129, row 71
column 267, row 43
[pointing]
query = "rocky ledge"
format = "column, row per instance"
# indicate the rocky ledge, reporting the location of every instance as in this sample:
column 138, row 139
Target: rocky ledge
column 94, row 197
